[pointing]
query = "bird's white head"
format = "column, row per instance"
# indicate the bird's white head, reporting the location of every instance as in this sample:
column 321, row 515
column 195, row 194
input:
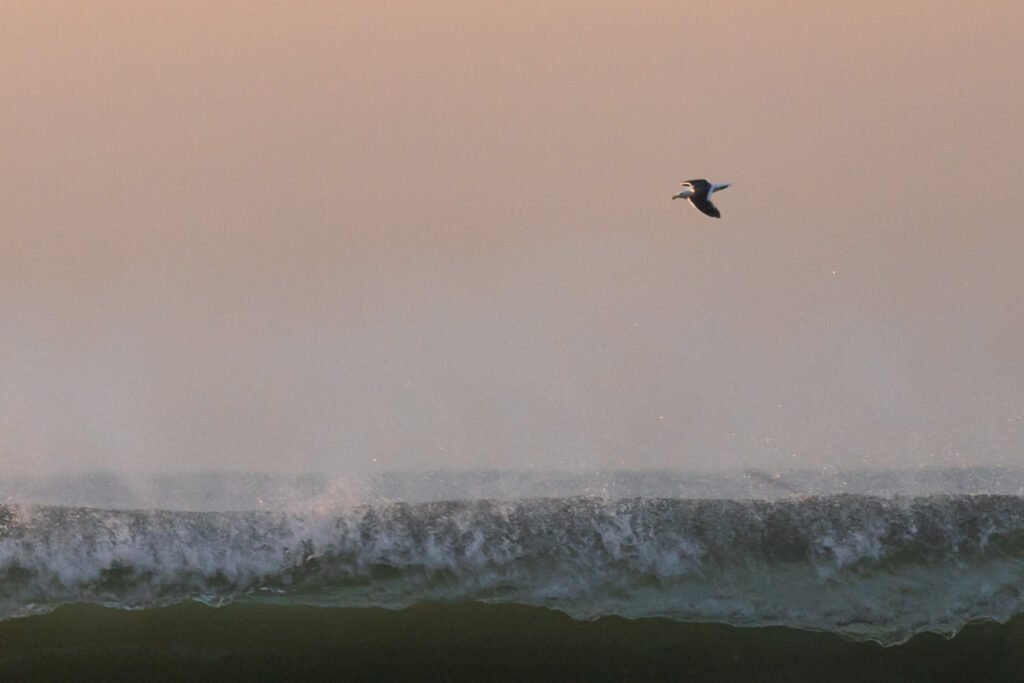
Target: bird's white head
column 686, row 192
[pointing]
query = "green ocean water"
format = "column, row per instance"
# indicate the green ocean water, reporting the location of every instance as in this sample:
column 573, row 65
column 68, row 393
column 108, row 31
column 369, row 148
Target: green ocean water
column 470, row 642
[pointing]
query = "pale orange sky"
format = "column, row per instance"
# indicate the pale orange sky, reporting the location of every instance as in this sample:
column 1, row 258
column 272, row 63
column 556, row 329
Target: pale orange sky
column 350, row 235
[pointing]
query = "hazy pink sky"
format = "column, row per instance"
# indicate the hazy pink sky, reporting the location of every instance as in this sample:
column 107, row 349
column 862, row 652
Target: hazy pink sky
column 350, row 235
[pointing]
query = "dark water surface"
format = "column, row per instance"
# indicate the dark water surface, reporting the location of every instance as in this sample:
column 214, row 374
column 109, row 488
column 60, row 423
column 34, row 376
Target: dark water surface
column 470, row 642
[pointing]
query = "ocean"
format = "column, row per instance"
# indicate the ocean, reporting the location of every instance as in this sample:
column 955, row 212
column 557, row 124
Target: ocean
column 626, row 575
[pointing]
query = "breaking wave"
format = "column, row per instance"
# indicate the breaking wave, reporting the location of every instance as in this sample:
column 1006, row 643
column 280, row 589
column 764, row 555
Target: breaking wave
column 865, row 567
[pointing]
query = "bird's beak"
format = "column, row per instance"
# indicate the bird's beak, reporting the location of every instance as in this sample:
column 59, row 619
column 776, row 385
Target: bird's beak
column 677, row 196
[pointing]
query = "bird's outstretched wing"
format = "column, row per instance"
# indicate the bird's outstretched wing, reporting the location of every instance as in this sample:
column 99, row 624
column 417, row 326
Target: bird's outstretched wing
column 704, row 205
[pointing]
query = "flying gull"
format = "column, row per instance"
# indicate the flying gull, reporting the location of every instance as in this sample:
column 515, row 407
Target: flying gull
column 699, row 193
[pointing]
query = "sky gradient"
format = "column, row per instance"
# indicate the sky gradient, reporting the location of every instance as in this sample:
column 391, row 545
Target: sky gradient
column 356, row 235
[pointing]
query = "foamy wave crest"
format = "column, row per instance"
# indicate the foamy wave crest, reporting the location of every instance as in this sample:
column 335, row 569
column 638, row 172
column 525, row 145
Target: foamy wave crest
column 864, row 567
